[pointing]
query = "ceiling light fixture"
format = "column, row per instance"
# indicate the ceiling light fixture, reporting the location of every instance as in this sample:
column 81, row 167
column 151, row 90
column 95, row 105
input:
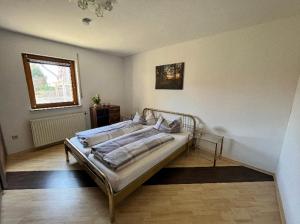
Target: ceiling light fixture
column 86, row 21
column 97, row 6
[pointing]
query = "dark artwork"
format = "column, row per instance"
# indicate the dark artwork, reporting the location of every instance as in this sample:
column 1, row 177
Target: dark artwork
column 169, row 76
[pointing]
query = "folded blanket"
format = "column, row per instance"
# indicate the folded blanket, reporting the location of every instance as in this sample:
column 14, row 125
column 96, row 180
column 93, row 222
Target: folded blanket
column 127, row 153
column 98, row 135
column 91, row 132
column 112, row 145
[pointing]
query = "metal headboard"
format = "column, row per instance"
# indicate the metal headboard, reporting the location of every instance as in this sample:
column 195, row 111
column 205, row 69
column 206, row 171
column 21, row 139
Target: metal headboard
column 188, row 121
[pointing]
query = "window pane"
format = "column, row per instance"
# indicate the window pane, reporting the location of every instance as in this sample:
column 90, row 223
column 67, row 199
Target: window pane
column 52, row 83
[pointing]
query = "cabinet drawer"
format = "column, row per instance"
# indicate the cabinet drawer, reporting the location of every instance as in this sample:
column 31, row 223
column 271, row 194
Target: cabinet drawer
column 112, row 121
column 114, row 117
column 114, row 108
column 104, row 115
column 114, row 113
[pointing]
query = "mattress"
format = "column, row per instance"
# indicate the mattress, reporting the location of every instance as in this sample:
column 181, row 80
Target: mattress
column 121, row 178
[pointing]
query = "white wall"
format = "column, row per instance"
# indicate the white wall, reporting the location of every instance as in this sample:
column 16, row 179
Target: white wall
column 288, row 170
column 240, row 83
column 100, row 73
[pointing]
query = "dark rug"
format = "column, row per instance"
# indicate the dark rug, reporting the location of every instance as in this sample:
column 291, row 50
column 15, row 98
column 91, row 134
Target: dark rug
column 199, row 175
column 48, row 179
column 186, row 175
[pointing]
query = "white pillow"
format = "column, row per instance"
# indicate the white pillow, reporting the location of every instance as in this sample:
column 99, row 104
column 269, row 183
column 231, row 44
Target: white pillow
column 159, row 122
column 149, row 118
column 138, row 118
column 173, row 126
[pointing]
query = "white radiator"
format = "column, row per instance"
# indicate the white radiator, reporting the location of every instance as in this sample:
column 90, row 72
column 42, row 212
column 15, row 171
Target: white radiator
column 54, row 129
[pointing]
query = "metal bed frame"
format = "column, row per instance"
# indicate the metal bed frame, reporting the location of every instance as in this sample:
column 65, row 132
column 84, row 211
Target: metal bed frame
column 189, row 124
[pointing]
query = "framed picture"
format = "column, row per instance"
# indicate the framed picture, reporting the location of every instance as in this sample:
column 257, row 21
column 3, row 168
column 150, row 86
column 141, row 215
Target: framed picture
column 169, row 76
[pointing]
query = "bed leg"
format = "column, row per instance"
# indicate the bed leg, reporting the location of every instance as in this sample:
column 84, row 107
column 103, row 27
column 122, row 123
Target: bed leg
column 67, row 154
column 187, row 151
column 111, row 208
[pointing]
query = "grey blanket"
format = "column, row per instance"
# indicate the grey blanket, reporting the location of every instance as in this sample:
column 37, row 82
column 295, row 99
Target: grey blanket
column 98, row 135
column 112, row 145
column 124, row 154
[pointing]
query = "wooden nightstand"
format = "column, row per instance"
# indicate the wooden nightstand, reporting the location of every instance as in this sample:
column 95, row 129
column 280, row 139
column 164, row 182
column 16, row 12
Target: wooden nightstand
column 104, row 115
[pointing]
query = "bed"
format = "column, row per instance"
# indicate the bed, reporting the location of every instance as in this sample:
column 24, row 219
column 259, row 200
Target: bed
column 117, row 185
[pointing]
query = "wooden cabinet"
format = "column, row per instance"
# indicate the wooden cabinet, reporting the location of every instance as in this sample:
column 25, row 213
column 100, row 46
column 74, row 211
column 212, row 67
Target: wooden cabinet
column 3, row 183
column 104, row 115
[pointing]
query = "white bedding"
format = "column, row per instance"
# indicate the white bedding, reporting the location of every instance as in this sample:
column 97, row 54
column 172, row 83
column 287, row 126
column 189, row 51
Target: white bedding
column 120, row 179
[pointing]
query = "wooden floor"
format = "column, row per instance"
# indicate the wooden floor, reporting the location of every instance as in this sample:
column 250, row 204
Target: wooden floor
column 250, row 202
column 53, row 158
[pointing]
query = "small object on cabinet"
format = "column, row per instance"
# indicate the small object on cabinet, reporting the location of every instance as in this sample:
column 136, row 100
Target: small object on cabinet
column 96, row 100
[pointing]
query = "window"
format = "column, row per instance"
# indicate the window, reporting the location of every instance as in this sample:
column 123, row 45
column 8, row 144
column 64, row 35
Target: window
column 51, row 81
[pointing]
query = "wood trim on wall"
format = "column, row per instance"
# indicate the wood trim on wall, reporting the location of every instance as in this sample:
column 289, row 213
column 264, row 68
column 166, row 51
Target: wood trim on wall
column 279, row 201
column 3, row 157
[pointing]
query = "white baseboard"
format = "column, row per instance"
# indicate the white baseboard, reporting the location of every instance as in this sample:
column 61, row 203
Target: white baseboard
column 279, row 201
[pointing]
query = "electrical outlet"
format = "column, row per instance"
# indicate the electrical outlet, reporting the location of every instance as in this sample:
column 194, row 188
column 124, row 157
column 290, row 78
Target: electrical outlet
column 14, row 137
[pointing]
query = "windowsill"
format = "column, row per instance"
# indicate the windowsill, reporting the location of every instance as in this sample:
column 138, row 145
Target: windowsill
column 55, row 108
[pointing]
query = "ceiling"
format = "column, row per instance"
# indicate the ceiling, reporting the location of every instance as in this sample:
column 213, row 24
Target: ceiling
column 138, row 25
